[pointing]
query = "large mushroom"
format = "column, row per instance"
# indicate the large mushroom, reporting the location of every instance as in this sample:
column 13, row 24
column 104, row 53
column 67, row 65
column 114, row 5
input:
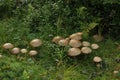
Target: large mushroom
column 15, row 50
column 86, row 50
column 75, row 43
column 76, row 36
column 36, row 43
column 8, row 46
column 74, row 52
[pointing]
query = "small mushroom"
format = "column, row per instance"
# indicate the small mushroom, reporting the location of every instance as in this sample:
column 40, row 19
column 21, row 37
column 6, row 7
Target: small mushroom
column 85, row 43
column 57, row 39
column 86, row 50
column 97, row 59
column 63, row 42
column 97, row 38
column 75, row 43
column 74, row 52
column 36, row 43
column 8, row 46
column 33, row 53
column 75, row 36
column 115, row 72
column 94, row 46
column 15, row 50
column 1, row 56
column 23, row 51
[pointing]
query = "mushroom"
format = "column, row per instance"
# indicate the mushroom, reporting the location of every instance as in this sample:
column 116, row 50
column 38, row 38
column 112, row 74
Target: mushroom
column 36, row 43
column 86, row 50
column 85, row 43
column 74, row 52
column 75, row 43
column 1, row 56
column 23, row 51
column 79, row 33
column 15, row 50
column 63, row 42
column 57, row 39
column 97, row 38
column 115, row 72
column 94, row 46
column 75, row 36
column 33, row 53
column 8, row 46
column 97, row 59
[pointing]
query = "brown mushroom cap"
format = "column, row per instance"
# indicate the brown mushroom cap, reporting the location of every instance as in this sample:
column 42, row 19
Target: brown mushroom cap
column 97, row 38
column 74, row 52
column 33, row 53
column 94, row 46
column 23, row 51
column 75, row 36
column 75, row 43
column 86, row 50
column 63, row 42
column 36, row 43
column 15, row 50
column 85, row 43
column 8, row 46
column 97, row 59
column 1, row 56
column 57, row 39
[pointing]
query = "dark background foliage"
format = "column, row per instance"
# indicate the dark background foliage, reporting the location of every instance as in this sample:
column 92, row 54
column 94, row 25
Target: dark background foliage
column 85, row 15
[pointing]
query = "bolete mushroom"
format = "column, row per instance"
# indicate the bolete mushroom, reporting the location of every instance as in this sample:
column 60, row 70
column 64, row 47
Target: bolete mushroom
column 75, row 36
column 97, row 59
column 86, row 50
column 85, row 43
column 33, row 53
column 94, row 46
column 74, row 52
column 23, row 51
column 75, row 43
column 15, row 50
column 36, row 43
column 8, row 46
column 57, row 39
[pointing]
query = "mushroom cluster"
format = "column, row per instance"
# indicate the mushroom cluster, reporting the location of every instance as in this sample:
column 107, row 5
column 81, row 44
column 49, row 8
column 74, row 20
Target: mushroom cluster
column 77, row 45
column 15, row 50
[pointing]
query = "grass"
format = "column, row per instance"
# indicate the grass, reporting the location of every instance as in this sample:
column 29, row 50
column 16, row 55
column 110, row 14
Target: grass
column 52, row 62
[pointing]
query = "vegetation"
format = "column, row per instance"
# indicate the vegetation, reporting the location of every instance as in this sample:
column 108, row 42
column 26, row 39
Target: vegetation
column 24, row 20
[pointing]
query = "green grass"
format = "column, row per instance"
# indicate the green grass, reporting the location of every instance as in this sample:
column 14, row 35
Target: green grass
column 52, row 62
